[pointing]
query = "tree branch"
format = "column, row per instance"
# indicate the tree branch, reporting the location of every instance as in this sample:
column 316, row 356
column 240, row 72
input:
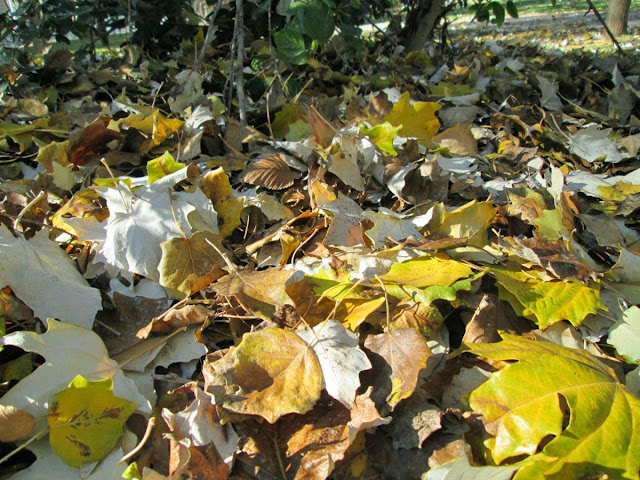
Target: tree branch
column 606, row 27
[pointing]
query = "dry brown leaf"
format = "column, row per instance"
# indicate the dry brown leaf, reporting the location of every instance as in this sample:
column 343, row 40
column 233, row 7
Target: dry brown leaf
column 271, row 172
column 175, row 319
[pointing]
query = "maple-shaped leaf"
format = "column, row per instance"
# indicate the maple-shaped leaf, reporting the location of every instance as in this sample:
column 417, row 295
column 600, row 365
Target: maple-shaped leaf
column 86, row 420
column 190, row 264
column 382, row 135
column 526, row 401
column 259, row 292
column 548, row 302
column 156, row 128
column 418, row 120
column 340, row 358
column 46, row 279
column 271, row 373
column 405, row 353
column 68, row 351
column 271, row 172
column 593, row 144
column 162, row 166
column 471, row 221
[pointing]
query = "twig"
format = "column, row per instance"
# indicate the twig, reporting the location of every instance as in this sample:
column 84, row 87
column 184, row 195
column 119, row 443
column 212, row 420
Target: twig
column 208, row 36
column 606, row 27
column 29, row 206
column 239, row 26
column 150, row 424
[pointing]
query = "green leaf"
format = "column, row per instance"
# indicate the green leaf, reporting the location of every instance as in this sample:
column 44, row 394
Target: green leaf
column 316, row 20
column 86, row 420
column 162, row 166
column 625, row 335
column 548, row 302
column 430, row 294
column 523, row 404
column 290, row 46
column 512, row 9
column 498, row 13
column 382, row 135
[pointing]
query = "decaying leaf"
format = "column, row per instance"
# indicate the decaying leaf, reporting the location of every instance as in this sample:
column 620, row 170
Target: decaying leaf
column 14, row 424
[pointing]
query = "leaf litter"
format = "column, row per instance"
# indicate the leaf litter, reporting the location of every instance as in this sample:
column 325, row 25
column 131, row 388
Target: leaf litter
column 433, row 272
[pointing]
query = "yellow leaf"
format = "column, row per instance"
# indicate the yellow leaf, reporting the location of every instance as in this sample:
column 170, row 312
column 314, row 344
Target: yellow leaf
column 215, row 185
column 271, row 373
column 418, row 120
column 470, row 221
column 86, row 420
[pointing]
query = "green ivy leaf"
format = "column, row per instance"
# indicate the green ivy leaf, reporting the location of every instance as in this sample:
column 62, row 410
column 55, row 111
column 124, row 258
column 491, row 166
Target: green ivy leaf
column 316, row 20
column 290, row 46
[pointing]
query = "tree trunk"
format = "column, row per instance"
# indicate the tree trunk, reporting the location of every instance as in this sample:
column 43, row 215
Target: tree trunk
column 421, row 22
column 618, row 15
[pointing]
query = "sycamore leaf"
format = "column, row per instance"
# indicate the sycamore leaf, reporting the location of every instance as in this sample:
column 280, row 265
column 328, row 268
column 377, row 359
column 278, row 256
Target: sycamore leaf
column 46, row 279
column 548, row 302
column 405, row 353
column 259, row 292
column 387, row 223
column 522, row 404
column 340, row 358
column 291, row 114
column 68, row 351
column 418, row 120
column 429, row 294
column 271, row 172
column 14, row 424
column 625, row 335
column 86, row 419
column 345, row 228
column 427, row 271
column 156, row 128
column 190, row 264
column 593, row 144
column 162, row 166
column 272, row 372
column 470, row 221
column 139, row 222
column 382, row 135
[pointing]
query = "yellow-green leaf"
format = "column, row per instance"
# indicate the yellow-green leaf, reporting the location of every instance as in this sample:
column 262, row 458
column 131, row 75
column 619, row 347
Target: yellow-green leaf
column 382, row 135
column 524, row 403
column 86, row 419
column 215, row 185
column 418, row 120
column 161, row 166
column 271, row 373
column 427, row 271
column 548, row 302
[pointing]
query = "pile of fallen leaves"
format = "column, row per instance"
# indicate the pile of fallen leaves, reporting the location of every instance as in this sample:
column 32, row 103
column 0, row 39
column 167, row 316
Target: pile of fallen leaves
column 425, row 267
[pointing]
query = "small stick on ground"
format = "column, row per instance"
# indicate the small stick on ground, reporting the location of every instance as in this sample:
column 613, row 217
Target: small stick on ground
column 606, row 27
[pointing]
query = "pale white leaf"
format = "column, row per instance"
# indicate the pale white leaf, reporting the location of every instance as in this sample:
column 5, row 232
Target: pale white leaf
column 593, row 144
column 387, row 223
column 340, row 358
column 68, row 351
column 46, row 279
column 625, row 335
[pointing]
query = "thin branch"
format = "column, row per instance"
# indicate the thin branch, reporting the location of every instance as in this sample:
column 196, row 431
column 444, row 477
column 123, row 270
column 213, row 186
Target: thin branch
column 606, row 27
column 208, row 36
column 240, row 62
